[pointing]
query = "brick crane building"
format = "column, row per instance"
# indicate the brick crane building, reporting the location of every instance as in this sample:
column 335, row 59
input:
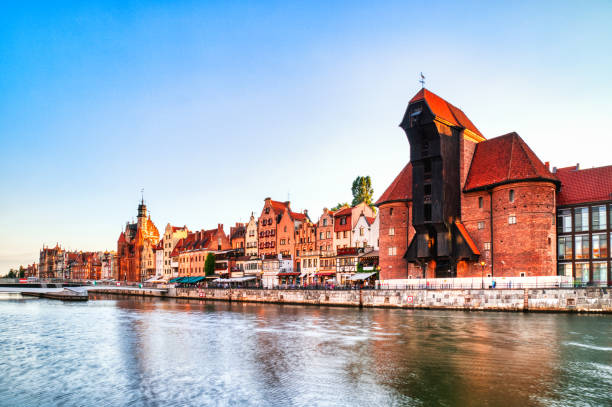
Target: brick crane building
column 465, row 205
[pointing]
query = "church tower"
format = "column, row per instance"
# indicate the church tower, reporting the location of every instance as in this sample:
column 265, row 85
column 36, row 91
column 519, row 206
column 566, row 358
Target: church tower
column 440, row 135
column 142, row 213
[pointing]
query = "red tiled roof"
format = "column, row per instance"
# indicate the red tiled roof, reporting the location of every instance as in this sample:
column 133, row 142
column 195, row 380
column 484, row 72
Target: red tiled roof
column 444, row 110
column 502, row 160
column 298, row 216
column 581, row 186
column 400, row 189
column 467, row 237
column 341, row 212
column 278, row 207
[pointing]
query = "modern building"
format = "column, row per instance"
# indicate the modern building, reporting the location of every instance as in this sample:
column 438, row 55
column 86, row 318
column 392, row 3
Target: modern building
column 584, row 232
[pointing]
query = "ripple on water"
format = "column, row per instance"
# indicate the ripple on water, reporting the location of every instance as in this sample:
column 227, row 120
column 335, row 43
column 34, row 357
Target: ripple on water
column 144, row 352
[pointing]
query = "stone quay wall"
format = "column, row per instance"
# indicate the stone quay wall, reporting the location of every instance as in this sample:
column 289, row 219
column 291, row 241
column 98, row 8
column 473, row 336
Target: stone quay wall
column 550, row 300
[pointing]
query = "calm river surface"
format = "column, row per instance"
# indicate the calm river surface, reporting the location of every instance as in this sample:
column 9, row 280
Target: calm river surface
column 147, row 352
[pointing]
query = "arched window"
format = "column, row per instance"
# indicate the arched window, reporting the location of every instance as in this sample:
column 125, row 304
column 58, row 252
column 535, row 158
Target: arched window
column 511, row 195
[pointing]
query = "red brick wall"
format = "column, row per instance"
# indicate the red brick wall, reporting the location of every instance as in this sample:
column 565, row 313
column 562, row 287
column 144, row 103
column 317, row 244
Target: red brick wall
column 324, row 229
column 269, row 228
column 286, row 231
column 467, row 148
column 394, row 266
column 529, row 246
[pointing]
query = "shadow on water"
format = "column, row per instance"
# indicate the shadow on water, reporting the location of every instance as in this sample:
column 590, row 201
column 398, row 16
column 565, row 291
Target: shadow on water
column 146, row 351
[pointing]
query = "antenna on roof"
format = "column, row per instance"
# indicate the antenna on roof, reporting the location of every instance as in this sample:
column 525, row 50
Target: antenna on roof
column 422, row 80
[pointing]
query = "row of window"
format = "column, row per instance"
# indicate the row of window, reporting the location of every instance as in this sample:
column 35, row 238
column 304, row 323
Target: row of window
column 598, row 219
column 267, row 245
column 270, row 232
column 582, row 248
column 583, row 271
column 327, row 236
column 309, row 263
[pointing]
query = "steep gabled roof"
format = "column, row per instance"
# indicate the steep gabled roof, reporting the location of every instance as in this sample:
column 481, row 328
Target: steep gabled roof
column 502, row 160
column 298, row 216
column 446, row 111
column 278, row 207
column 582, row 186
column 400, row 189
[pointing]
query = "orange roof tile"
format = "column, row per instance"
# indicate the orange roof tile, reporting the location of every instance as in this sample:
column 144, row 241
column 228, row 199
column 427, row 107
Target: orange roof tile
column 400, row 189
column 444, row 110
column 502, row 160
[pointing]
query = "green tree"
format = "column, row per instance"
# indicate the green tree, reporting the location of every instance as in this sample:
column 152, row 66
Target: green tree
column 209, row 264
column 362, row 190
column 11, row 274
column 340, row 205
column 21, row 272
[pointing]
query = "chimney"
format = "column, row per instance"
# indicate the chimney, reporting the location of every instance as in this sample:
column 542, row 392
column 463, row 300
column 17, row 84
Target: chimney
column 577, row 166
column 219, row 226
column 547, row 164
column 554, row 171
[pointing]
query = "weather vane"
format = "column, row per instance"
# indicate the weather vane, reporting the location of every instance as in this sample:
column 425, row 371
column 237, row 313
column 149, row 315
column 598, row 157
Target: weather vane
column 142, row 195
column 422, row 80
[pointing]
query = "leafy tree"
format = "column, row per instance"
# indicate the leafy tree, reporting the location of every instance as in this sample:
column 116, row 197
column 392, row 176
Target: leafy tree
column 359, row 268
column 209, row 264
column 11, row 274
column 21, row 272
column 362, row 190
column 340, row 205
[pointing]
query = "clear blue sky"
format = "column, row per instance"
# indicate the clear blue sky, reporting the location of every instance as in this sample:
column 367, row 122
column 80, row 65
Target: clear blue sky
column 213, row 106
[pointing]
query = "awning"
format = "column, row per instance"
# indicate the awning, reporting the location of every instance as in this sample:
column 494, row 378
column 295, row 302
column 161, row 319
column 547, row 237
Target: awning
column 175, row 280
column 325, row 273
column 234, row 279
column 287, row 274
column 360, row 276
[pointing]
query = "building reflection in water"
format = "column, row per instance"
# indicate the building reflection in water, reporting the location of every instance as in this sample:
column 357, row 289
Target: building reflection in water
column 186, row 351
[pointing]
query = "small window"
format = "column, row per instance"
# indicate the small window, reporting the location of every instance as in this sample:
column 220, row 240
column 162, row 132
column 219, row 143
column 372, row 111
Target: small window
column 511, row 220
column 427, row 212
column 511, row 195
column 481, row 225
column 391, row 211
column 480, row 202
column 427, row 166
column 391, row 231
column 522, row 274
column 487, row 246
column 427, row 189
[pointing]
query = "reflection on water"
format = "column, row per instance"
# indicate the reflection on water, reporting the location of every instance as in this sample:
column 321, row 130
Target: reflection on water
column 177, row 352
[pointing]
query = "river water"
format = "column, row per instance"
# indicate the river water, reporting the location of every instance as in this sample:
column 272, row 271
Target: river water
column 115, row 351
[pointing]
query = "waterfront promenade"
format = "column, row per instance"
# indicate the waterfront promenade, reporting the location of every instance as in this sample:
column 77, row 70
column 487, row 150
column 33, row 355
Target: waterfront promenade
column 595, row 300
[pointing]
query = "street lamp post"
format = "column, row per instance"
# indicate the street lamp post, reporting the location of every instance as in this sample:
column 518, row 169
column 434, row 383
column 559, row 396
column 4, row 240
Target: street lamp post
column 482, row 264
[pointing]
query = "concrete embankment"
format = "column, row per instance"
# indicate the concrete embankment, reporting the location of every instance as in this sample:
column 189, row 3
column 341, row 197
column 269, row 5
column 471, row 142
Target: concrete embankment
column 551, row 300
